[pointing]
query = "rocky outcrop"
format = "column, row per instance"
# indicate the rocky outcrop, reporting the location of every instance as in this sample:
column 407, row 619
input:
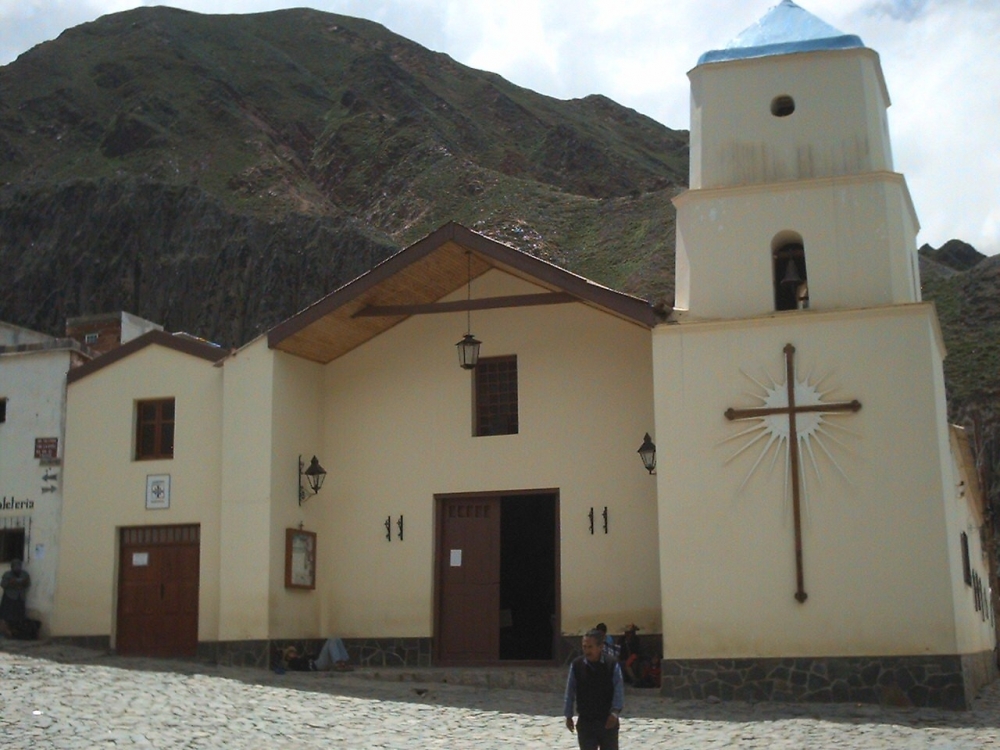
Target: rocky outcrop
column 171, row 254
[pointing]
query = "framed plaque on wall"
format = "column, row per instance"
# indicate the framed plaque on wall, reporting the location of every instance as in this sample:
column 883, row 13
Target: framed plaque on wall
column 300, row 559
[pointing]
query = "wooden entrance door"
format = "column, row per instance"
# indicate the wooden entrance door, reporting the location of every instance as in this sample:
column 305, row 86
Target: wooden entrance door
column 158, row 591
column 469, row 580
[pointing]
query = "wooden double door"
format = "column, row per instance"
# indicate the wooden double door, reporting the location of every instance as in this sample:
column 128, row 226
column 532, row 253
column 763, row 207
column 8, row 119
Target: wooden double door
column 497, row 578
column 158, row 591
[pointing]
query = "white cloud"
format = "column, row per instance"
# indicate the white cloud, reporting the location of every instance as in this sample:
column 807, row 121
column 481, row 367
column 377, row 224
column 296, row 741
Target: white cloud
column 940, row 57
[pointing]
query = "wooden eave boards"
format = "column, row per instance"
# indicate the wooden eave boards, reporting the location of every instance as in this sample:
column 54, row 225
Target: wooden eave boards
column 424, row 273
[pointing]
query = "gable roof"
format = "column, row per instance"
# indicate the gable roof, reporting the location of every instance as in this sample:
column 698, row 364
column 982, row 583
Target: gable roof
column 178, row 342
column 414, row 279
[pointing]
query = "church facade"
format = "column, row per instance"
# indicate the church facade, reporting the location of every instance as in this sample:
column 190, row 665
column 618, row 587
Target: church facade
column 810, row 531
column 467, row 515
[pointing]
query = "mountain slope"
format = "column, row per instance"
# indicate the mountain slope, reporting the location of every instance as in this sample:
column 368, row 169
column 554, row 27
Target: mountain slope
column 156, row 157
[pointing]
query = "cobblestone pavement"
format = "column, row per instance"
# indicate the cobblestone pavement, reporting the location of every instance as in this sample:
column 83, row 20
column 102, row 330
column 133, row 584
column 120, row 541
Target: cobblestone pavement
column 63, row 697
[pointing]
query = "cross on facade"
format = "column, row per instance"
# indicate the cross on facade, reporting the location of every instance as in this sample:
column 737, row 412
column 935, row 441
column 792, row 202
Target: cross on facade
column 793, row 449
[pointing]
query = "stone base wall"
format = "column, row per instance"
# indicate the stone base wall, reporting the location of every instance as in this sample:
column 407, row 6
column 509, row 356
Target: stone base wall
column 904, row 681
column 265, row 654
column 366, row 652
column 255, row 654
column 92, row 642
column 390, row 652
column 979, row 669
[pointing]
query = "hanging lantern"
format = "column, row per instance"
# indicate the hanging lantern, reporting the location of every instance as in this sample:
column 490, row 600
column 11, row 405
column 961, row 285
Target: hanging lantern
column 468, row 351
column 468, row 347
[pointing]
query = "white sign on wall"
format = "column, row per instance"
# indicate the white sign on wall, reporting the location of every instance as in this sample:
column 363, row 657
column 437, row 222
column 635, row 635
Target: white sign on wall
column 157, row 491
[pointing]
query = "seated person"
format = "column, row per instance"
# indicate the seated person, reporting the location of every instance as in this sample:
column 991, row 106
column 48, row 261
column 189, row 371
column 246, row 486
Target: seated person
column 333, row 656
column 630, row 655
column 653, row 675
column 609, row 647
column 293, row 660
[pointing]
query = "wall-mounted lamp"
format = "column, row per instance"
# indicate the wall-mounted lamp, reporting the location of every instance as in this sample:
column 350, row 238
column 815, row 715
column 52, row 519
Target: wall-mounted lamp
column 314, row 475
column 468, row 347
column 647, row 452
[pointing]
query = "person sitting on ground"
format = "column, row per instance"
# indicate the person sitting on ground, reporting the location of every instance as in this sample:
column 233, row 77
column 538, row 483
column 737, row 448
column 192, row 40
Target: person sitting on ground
column 333, row 656
column 291, row 659
column 654, row 673
column 608, row 646
column 630, row 655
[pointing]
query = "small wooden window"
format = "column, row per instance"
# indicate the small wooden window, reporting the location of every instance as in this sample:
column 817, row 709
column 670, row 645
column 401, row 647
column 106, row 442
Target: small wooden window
column 496, row 396
column 154, row 429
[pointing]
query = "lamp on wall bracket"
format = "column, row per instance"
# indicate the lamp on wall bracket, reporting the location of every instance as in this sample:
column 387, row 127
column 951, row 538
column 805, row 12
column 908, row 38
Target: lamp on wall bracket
column 647, row 452
column 314, row 474
column 468, row 347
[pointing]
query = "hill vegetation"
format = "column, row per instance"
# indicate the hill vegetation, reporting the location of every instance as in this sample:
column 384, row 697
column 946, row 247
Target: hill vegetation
column 218, row 173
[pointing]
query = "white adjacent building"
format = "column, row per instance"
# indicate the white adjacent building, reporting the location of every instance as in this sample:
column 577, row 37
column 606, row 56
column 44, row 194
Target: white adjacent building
column 33, row 369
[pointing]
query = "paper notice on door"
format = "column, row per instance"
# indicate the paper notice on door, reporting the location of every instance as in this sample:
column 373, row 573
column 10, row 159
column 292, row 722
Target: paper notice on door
column 140, row 559
column 456, row 558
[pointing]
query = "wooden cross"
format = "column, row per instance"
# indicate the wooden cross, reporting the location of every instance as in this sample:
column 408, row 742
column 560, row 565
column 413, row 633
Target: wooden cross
column 793, row 449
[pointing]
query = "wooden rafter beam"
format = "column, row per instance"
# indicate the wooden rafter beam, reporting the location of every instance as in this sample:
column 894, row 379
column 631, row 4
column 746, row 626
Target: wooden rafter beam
column 484, row 303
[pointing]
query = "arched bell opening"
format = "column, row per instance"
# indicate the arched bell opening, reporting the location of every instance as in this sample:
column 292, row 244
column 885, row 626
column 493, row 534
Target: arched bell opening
column 791, row 287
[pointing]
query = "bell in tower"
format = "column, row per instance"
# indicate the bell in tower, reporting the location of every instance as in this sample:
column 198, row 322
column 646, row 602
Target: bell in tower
column 789, row 138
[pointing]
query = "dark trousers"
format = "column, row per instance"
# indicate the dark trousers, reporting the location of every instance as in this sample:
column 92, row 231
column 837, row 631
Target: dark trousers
column 592, row 735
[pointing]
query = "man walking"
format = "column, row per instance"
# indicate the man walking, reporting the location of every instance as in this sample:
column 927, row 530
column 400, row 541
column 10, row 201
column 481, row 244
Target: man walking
column 595, row 685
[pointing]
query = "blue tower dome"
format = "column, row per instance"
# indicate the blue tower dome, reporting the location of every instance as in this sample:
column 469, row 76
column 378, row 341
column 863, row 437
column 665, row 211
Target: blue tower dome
column 784, row 29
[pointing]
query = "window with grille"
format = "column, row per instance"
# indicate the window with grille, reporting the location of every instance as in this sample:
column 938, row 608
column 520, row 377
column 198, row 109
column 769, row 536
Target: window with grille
column 11, row 544
column 496, row 396
column 154, row 429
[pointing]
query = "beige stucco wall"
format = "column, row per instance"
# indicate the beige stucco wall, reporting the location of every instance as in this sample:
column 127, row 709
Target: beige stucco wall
column 859, row 235
column 398, row 430
column 838, row 127
column 105, row 488
column 974, row 627
column 297, row 416
column 876, row 549
column 246, row 453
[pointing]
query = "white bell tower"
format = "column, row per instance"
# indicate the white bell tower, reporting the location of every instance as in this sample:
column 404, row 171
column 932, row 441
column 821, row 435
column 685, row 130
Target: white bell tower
column 793, row 201
column 800, row 387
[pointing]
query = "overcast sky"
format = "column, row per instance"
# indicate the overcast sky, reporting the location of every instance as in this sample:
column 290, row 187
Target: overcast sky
column 941, row 60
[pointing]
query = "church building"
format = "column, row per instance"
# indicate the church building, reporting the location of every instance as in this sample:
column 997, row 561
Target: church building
column 803, row 524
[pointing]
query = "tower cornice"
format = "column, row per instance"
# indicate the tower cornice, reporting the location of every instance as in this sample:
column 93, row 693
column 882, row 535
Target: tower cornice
column 796, row 186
